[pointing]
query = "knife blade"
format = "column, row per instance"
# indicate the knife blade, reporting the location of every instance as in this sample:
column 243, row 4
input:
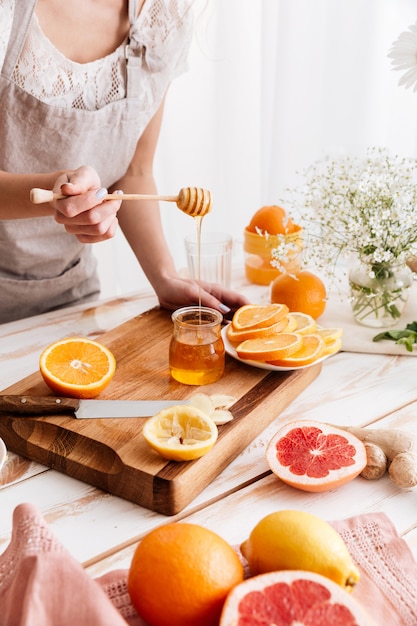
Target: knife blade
column 83, row 409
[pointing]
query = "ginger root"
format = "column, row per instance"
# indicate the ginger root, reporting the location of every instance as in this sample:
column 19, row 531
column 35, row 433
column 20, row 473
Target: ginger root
column 395, row 450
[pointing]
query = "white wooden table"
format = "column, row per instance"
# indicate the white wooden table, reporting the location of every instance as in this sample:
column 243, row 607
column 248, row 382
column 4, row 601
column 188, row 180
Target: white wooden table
column 102, row 531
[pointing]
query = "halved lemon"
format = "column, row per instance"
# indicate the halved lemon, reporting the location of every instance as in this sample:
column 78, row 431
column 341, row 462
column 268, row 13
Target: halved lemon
column 77, row 367
column 180, row 433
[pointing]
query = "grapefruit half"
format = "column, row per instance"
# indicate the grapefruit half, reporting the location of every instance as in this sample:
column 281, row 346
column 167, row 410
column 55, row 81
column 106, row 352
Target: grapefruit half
column 314, row 456
column 291, row 597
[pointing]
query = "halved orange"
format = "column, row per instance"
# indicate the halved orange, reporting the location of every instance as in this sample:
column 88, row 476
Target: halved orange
column 258, row 316
column 77, row 367
column 270, row 348
column 252, row 333
column 311, row 349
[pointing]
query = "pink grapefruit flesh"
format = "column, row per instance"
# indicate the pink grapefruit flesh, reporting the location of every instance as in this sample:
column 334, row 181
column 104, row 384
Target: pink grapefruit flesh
column 292, row 597
column 314, row 456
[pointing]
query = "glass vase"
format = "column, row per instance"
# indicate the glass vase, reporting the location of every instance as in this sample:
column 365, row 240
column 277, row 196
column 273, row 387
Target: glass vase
column 379, row 292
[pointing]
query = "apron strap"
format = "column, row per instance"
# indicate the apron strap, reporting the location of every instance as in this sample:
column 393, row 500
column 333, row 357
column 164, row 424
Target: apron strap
column 23, row 11
column 133, row 63
column 133, row 11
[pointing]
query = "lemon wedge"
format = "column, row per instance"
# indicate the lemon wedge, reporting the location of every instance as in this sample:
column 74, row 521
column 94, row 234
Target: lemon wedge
column 180, row 433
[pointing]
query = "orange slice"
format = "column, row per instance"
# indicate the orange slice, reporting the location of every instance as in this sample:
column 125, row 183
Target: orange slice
column 331, row 347
column 77, row 367
column 270, row 348
column 237, row 336
column 311, row 349
column 304, row 323
column 329, row 334
column 258, row 316
column 291, row 324
column 180, row 433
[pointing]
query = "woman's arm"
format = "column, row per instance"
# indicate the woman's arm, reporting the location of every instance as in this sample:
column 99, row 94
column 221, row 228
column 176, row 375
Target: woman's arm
column 142, row 227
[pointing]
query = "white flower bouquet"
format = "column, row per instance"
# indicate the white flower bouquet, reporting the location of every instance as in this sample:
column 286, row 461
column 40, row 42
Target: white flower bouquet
column 365, row 208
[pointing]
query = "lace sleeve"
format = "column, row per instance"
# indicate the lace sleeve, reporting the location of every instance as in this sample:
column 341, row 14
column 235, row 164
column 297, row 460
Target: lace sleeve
column 6, row 19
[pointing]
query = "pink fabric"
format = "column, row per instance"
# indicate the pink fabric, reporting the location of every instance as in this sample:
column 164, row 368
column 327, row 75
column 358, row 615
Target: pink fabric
column 41, row 584
column 388, row 584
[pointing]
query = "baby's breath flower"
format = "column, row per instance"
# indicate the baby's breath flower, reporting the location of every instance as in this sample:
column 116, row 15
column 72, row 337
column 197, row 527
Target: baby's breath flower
column 361, row 206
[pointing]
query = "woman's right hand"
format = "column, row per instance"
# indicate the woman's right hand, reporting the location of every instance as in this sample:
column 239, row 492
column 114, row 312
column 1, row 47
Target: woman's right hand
column 84, row 213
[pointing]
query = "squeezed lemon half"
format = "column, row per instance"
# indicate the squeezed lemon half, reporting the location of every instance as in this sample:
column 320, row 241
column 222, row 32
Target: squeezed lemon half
column 181, row 433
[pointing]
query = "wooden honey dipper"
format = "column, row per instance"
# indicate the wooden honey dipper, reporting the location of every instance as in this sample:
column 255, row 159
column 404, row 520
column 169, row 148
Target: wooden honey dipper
column 190, row 200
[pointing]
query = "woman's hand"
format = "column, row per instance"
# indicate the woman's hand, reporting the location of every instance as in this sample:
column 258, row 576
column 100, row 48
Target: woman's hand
column 175, row 292
column 83, row 213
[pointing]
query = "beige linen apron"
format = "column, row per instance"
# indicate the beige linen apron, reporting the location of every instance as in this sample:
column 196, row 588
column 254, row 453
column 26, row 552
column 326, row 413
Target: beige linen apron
column 42, row 267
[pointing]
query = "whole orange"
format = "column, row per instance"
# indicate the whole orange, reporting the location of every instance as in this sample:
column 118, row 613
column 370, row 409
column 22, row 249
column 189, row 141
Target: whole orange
column 272, row 219
column 303, row 292
column 181, row 574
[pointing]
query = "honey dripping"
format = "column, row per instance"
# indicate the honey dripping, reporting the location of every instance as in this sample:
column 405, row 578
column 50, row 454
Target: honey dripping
column 198, row 223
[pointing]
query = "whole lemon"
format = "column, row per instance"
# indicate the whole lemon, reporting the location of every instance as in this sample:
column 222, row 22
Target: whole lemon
column 296, row 540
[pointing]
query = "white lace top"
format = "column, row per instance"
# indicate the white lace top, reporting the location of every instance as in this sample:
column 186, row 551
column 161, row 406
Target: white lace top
column 44, row 72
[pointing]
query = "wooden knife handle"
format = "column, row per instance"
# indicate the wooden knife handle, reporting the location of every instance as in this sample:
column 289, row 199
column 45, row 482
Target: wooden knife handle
column 30, row 405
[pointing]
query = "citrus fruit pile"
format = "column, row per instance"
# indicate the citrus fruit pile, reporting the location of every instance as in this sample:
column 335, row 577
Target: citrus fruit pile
column 274, row 335
column 315, row 457
column 301, row 291
column 300, row 572
column 77, row 367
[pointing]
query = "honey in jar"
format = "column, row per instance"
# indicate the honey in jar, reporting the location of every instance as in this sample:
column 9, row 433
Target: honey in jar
column 196, row 351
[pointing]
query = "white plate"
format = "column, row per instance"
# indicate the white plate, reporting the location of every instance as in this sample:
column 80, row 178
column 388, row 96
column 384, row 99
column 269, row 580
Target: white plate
column 260, row 364
column 3, row 453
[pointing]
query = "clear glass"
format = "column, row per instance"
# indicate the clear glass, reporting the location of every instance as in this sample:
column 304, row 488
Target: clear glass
column 210, row 259
column 379, row 292
column 196, row 351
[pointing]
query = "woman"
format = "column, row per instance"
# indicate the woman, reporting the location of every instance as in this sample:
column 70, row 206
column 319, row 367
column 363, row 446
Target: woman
column 81, row 103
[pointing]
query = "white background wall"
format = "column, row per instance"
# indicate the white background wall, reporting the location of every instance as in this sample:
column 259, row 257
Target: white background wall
column 272, row 86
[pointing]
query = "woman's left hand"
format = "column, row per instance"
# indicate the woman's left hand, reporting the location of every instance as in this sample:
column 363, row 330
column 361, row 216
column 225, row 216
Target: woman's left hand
column 175, row 292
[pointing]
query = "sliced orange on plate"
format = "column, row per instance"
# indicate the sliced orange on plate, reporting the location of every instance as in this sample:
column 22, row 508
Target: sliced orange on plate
column 312, row 348
column 237, row 336
column 77, row 367
column 270, row 348
column 304, row 323
column 258, row 316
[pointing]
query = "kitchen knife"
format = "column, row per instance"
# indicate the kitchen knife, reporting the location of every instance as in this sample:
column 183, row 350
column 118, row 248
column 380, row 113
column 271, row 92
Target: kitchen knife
column 83, row 409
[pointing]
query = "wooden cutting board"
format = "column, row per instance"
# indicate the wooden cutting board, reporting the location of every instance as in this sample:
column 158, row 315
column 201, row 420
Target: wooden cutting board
column 111, row 453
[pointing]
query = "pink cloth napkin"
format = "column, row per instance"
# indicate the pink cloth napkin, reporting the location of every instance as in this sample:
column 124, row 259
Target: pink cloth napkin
column 388, row 583
column 41, row 584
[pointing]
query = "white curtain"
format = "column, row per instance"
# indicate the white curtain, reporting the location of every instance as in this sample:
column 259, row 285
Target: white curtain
column 273, row 85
